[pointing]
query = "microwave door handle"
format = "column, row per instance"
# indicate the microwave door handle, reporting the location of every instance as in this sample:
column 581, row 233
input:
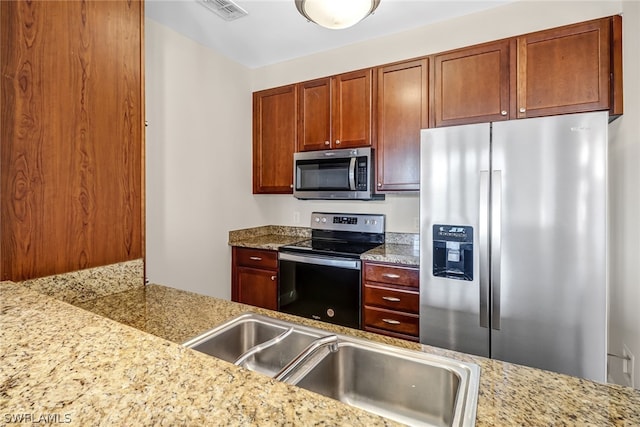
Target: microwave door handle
column 352, row 174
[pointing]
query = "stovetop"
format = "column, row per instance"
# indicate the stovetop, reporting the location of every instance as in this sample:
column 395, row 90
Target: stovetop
column 345, row 235
column 332, row 247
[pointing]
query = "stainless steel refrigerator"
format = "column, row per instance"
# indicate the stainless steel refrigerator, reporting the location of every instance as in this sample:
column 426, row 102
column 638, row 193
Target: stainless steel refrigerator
column 513, row 241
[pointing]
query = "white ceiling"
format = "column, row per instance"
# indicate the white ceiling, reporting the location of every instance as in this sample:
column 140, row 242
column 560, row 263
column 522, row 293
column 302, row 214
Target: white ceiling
column 274, row 31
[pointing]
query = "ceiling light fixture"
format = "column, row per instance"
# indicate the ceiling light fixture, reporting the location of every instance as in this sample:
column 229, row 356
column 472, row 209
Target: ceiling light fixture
column 336, row 14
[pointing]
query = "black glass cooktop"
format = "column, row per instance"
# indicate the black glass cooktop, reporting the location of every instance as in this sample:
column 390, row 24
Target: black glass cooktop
column 331, row 247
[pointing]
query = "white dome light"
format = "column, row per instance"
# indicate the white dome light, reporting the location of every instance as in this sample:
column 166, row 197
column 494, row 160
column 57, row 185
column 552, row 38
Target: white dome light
column 336, row 14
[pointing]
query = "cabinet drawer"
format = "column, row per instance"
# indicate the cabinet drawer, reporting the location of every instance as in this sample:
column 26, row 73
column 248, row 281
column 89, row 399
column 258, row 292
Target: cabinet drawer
column 391, row 298
column 257, row 258
column 404, row 276
column 389, row 320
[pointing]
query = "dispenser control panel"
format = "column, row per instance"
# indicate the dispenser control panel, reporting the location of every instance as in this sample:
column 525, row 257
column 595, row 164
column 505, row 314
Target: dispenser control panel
column 453, row 251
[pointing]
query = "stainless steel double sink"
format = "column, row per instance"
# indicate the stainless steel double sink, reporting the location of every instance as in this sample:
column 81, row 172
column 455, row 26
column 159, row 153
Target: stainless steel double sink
column 407, row 386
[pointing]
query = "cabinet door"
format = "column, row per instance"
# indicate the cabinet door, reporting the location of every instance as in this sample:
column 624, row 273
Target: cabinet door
column 391, row 298
column 72, row 150
column 564, row 70
column 351, row 110
column 392, row 274
column 314, row 115
column 402, row 99
column 274, row 139
column 472, row 85
column 393, row 321
column 257, row 287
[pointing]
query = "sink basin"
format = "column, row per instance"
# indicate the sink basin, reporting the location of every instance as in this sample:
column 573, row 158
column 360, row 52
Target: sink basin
column 255, row 342
column 407, row 386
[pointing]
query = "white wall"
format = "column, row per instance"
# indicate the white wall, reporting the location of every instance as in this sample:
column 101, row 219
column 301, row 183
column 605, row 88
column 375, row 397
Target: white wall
column 624, row 173
column 199, row 148
column 198, row 162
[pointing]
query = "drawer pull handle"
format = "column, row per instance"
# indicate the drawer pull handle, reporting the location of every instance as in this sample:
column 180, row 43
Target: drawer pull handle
column 392, row 299
column 255, row 258
column 391, row 321
column 391, row 276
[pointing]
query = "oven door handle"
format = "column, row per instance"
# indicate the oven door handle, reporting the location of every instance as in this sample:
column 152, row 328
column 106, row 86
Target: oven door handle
column 351, row 264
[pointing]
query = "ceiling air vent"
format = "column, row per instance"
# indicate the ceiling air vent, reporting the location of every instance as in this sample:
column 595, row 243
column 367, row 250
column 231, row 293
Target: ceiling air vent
column 225, row 9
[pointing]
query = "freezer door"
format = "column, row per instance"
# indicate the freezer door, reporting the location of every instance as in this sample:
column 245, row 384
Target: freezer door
column 454, row 190
column 549, row 281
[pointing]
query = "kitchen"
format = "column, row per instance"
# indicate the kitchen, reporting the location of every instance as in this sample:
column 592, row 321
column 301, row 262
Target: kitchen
column 187, row 232
column 200, row 261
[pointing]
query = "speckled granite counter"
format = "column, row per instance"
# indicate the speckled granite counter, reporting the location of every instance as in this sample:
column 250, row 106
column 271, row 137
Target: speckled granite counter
column 90, row 283
column 61, row 364
column 394, row 253
column 400, row 248
column 268, row 236
column 101, row 372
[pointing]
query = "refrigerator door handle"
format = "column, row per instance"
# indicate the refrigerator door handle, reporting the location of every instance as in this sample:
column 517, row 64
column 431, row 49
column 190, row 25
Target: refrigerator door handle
column 483, row 235
column 496, row 246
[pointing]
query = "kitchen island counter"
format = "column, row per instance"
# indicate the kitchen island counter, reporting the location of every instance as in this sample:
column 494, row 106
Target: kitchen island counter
column 93, row 369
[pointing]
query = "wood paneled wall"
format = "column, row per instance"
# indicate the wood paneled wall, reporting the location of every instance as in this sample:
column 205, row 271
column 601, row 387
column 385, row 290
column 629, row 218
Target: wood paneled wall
column 71, row 170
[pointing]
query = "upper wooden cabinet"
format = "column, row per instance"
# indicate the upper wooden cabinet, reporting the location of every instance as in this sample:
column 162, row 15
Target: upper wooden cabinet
column 274, row 139
column 565, row 70
column 472, row 84
column 314, row 110
column 335, row 112
column 572, row 69
column 401, row 111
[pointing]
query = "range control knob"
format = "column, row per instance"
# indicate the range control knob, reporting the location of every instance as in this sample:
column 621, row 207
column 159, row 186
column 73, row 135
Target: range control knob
column 316, row 219
column 324, row 220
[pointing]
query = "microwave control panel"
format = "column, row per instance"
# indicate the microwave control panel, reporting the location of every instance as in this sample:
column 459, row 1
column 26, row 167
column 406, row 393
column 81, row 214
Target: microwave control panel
column 361, row 174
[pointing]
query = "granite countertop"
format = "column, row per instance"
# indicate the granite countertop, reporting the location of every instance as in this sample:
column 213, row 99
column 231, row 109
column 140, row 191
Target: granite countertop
column 399, row 248
column 94, row 370
column 395, row 253
column 268, row 237
column 62, row 364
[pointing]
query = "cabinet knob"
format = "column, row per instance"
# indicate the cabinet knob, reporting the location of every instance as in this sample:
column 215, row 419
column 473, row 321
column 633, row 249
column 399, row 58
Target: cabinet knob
column 337, row 142
column 522, row 109
column 379, row 184
column 290, row 185
column 326, row 143
column 503, row 112
column 273, row 277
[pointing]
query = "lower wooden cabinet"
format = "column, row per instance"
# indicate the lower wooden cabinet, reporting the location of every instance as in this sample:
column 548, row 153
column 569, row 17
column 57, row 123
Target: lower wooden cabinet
column 254, row 278
column 391, row 300
column 390, row 292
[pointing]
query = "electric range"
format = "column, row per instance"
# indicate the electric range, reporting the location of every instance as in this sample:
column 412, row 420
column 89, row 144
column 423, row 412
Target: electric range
column 320, row 278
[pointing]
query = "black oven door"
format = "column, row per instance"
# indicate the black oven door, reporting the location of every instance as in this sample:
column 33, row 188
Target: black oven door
column 321, row 288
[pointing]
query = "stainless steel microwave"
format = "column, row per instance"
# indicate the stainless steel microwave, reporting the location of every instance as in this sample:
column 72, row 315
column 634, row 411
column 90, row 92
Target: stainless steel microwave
column 345, row 174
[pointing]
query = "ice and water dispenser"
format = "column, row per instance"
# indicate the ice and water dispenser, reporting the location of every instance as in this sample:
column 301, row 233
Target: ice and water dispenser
column 453, row 251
